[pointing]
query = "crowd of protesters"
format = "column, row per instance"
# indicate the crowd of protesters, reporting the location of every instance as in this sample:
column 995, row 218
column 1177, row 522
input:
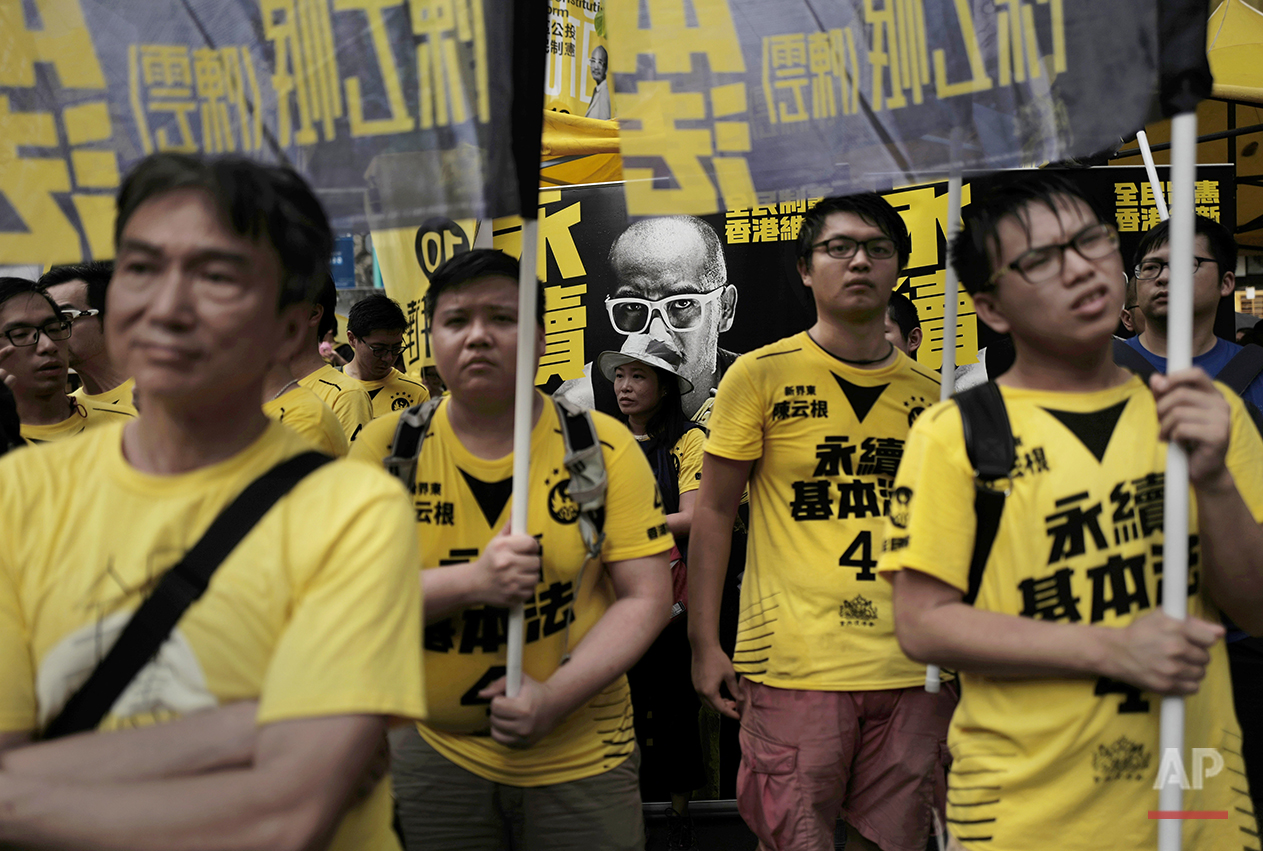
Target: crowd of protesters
column 331, row 670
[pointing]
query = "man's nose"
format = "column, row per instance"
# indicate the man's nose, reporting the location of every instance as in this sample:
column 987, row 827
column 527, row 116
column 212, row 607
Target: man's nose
column 45, row 344
column 171, row 301
column 658, row 326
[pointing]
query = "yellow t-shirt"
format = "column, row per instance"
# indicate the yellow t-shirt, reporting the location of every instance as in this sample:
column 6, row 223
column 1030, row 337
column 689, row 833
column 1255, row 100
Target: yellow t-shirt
column 316, row 612
column 1071, row 763
column 688, row 452
column 86, row 415
column 344, row 395
column 461, row 501
column 395, row 392
column 827, row 438
column 301, row 410
column 119, row 396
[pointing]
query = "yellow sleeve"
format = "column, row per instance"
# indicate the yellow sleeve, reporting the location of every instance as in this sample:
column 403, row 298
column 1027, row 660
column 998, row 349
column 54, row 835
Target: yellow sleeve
column 936, row 538
column 373, row 444
column 354, row 409
column 634, row 523
column 688, row 451
column 737, row 418
column 353, row 643
column 17, row 677
column 1245, row 455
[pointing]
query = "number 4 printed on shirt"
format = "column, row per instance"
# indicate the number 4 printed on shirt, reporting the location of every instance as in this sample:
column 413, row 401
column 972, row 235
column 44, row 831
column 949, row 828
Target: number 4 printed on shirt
column 863, row 543
column 471, row 698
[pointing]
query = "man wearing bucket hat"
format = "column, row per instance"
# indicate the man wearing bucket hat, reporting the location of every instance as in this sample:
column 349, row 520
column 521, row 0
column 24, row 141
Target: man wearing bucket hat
column 648, row 387
column 834, row 718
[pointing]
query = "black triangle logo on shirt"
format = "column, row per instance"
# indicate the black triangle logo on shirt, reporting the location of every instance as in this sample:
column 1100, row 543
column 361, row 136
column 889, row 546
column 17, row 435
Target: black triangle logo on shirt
column 491, row 496
column 861, row 398
column 1095, row 428
column 372, row 394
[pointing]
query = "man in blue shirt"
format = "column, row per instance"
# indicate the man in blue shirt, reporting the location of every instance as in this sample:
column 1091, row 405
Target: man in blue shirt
column 1215, row 254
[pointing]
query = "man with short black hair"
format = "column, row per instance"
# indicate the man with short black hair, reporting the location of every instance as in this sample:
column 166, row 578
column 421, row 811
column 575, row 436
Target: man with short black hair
column 375, row 328
column 903, row 325
column 33, row 356
column 1064, row 650
column 79, row 290
column 259, row 722
column 344, row 395
column 834, row 718
column 556, row 766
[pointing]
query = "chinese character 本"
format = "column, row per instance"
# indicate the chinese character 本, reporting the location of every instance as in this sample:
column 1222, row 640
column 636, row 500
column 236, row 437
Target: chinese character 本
column 1109, row 586
column 858, row 499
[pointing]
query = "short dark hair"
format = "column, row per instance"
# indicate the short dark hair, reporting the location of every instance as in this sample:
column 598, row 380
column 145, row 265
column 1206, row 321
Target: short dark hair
column 477, row 263
column 904, row 313
column 1222, row 246
column 869, row 206
column 96, row 274
column 375, row 312
column 11, row 288
column 327, row 299
column 999, row 197
column 254, row 200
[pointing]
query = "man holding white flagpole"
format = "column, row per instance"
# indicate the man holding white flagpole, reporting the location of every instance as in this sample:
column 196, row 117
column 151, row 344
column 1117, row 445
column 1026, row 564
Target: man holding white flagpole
column 1063, row 653
column 554, row 766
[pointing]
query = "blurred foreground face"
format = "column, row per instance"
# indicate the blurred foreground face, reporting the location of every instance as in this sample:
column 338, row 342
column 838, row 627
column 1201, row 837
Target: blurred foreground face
column 192, row 308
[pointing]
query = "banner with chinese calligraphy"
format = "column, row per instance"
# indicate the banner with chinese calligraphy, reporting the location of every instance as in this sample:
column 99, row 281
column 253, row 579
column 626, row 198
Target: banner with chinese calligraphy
column 730, row 103
column 577, row 59
column 750, row 250
column 394, row 111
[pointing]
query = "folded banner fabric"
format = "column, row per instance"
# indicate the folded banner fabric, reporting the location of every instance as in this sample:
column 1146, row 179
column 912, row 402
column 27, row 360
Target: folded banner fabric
column 395, row 111
column 725, row 104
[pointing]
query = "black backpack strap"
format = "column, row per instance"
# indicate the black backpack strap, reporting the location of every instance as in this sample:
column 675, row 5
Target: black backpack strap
column 1242, row 369
column 1128, row 358
column 588, row 479
column 410, row 433
column 178, row 589
column 990, row 446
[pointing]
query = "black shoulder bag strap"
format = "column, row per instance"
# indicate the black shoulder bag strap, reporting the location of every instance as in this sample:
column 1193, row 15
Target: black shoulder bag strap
column 1242, row 369
column 989, row 443
column 1128, row 358
column 178, row 589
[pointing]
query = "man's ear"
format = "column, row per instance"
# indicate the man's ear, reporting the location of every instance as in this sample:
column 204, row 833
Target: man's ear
column 914, row 340
column 804, row 271
column 988, row 310
column 1227, row 284
column 317, row 313
column 728, row 308
column 1124, row 316
column 351, row 338
column 293, row 332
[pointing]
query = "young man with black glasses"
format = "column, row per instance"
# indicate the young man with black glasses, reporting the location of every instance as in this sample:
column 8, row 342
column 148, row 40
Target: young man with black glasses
column 33, row 358
column 835, row 720
column 1064, row 651
column 79, row 290
column 375, row 328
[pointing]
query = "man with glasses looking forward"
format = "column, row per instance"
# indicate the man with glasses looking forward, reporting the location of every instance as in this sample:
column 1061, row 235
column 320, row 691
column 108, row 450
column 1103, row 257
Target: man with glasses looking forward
column 673, row 286
column 33, row 358
column 375, row 328
column 835, row 720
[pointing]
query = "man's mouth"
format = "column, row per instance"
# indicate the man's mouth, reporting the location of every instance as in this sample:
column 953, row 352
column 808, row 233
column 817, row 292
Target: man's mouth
column 1091, row 300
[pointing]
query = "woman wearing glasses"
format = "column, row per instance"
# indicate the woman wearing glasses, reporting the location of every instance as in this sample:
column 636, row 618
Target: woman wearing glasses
column 648, row 387
column 33, row 363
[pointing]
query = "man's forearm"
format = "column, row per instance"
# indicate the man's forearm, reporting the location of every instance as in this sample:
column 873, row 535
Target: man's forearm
column 204, row 741
column 710, row 544
column 612, row 645
column 1231, row 553
column 446, row 590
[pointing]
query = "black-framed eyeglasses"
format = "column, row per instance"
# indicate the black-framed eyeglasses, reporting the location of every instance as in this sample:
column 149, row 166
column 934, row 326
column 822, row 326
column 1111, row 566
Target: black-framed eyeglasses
column 1148, row 270
column 73, row 314
column 681, row 312
column 28, row 335
column 1044, row 263
column 381, row 350
column 843, row 247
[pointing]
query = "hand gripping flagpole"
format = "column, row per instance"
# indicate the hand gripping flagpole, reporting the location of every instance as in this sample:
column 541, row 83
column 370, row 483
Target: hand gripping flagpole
column 951, row 295
column 1175, row 519
column 523, row 408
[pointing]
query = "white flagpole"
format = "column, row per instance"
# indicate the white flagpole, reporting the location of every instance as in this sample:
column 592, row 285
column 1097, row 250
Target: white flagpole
column 523, row 407
column 1159, row 197
column 951, row 295
column 1175, row 520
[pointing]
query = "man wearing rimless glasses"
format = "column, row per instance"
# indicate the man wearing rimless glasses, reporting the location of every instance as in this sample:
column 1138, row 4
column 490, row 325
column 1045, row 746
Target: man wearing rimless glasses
column 33, row 363
column 672, row 286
